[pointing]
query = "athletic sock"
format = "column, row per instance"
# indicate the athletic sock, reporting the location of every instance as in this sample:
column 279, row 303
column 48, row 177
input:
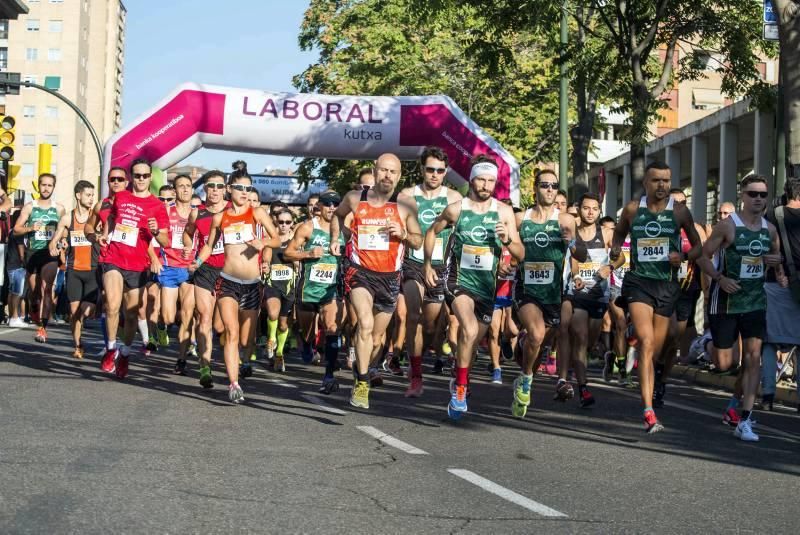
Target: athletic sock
column 143, row 331
column 733, row 403
column 44, row 323
column 745, row 415
column 161, row 326
column 605, row 339
column 416, row 366
column 282, row 336
column 361, row 377
column 462, row 376
column 103, row 329
column 124, row 350
column 331, row 354
column 111, row 345
column 272, row 329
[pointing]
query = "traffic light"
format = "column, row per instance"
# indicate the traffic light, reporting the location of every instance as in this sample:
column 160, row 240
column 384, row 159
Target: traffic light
column 7, row 137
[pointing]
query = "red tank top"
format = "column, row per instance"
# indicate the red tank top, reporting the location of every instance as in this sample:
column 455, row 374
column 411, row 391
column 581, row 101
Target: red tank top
column 372, row 247
column 203, row 226
column 173, row 254
column 505, row 285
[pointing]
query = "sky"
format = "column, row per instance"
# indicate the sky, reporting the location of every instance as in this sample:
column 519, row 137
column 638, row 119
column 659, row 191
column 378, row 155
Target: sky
column 246, row 43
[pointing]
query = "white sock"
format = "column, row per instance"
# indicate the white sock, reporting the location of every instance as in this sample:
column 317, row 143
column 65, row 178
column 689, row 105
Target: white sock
column 143, row 331
column 112, row 344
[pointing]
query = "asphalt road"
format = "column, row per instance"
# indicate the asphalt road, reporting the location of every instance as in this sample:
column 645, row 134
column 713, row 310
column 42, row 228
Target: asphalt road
column 83, row 453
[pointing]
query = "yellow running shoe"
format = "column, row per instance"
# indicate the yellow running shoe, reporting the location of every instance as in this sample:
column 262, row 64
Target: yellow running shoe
column 360, row 395
column 446, row 349
column 522, row 397
column 163, row 337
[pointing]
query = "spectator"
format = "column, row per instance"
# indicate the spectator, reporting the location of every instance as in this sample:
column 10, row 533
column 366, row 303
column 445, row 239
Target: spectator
column 15, row 252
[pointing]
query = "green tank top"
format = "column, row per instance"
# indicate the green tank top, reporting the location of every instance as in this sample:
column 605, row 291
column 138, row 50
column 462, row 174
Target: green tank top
column 48, row 217
column 545, row 250
column 428, row 210
column 320, row 275
column 742, row 261
column 476, row 251
column 653, row 238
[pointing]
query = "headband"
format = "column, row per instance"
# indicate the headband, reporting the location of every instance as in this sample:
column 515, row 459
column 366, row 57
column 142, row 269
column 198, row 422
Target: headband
column 483, row 168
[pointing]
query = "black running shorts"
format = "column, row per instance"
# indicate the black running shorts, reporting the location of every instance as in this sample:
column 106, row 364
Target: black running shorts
column 81, row 286
column 206, row 277
column 416, row 272
column 131, row 279
column 660, row 295
column 384, row 287
column 246, row 294
column 726, row 328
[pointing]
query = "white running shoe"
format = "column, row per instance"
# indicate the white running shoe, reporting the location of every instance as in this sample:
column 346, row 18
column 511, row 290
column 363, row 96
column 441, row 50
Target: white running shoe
column 745, row 432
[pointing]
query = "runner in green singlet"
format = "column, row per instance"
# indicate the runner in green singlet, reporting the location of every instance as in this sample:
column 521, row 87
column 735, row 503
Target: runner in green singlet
column 482, row 228
column 37, row 223
column 650, row 289
column 747, row 245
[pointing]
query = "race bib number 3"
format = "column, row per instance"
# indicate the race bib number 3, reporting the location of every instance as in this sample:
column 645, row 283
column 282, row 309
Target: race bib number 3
column 752, row 268
column 652, row 250
column 236, row 233
column 126, row 234
column 372, row 238
column 78, row 239
column 539, row 272
column 323, row 273
column 281, row 272
column 477, row 258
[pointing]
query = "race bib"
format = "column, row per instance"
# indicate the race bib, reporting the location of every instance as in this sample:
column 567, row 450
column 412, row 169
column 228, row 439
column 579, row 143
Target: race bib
column 177, row 239
column 683, row 271
column 539, row 272
column 752, row 268
column 238, row 233
column 323, row 273
column 219, row 247
column 154, row 243
column 438, row 252
column 587, row 270
column 372, row 238
column 281, row 272
column 477, row 258
column 126, row 234
column 44, row 234
column 78, row 239
column 652, row 250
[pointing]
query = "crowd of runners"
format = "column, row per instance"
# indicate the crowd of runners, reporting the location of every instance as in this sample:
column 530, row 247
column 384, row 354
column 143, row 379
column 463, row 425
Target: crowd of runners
column 397, row 278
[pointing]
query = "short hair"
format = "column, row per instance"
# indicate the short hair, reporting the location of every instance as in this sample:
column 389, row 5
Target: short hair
column 81, row 185
column 313, row 196
column 753, row 179
column 118, row 168
column 239, row 165
column 562, row 193
column 673, row 191
column 45, row 175
column 588, row 197
column 659, row 165
column 365, row 171
column 165, row 187
column 212, row 173
column 433, row 152
column 792, row 188
column 541, row 172
column 277, row 207
column 140, row 161
column 607, row 219
column 482, row 158
column 187, row 177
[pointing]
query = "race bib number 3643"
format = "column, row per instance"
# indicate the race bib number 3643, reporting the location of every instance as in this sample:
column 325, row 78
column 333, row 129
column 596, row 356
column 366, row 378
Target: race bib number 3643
column 539, row 272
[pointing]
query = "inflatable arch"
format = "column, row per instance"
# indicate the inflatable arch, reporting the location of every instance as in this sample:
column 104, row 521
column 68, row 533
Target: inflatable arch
column 306, row 125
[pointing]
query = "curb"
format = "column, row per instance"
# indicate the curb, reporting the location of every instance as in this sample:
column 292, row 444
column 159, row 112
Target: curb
column 787, row 396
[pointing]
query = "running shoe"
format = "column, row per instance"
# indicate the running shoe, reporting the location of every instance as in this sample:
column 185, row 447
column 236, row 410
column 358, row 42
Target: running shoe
column 329, row 385
column 316, row 359
column 438, row 366
column 41, row 335
column 192, row 351
column 163, row 337
column 392, row 365
column 586, row 398
column 651, row 423
column 608, row 366
column 658, row 394
column 262, row 341
column 359, row 397
column 458, row 401
column 245, row 370
column 108, row 364
column 375, row 378
column 180, row 367
column 497, row 376
column 403, row 361
column 270, row 345
column 731, row 418
column 745, row 432
column 551, row 365
column 522, row 396
column 121, row 369
column 279, row 365
column 78, row 353
column 351, row 357
column 206, row 380
column 506, row 349
column 627, row 382
column 152, row 343
column 235, row 393
column 564, row 391
column 307, row 353
column 17, row 322
column 415, row 388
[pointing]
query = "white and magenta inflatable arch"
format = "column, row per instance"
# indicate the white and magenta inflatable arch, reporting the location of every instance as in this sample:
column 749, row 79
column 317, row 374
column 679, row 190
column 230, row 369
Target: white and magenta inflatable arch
column 306, row 125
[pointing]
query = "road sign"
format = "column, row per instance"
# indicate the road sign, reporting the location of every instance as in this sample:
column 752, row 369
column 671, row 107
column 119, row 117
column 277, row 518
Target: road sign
column 770, row 17
column 771, row 32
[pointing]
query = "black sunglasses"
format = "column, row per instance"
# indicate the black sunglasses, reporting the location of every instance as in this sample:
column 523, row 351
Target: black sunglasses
column 166, row 199
column 754, row 194
column 329, row 204
column 113, row 179
column 142, row 175
column 215, row 185
column 548, row 185
column 285, row 221
column 437, row 170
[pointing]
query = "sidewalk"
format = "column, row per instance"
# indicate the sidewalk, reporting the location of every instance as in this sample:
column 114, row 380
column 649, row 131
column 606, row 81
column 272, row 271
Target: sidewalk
column 691, row 374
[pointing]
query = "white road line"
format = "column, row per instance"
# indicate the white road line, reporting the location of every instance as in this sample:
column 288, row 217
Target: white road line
column 281, row 383
column 689, row 408
column 322, row 405
column 506, row 494
column 391, row 441
column 6, row 331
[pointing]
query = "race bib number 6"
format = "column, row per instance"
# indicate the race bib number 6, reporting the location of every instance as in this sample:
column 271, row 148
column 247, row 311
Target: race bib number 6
column 652, row 250
column 126, row 234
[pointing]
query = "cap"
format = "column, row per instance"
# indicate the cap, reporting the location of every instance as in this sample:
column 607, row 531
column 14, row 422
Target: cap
column 330, row 197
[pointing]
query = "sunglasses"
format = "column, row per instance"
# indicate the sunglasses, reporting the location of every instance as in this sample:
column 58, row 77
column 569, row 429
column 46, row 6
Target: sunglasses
column 437, row 170
column 242, row 187
column 754, row 194
column 285, row 222
column 195, row 206
column 166, row 199
column 329, row 204
column 215, row 185
column 142, row 175
column 548, row 185
column 114, row 179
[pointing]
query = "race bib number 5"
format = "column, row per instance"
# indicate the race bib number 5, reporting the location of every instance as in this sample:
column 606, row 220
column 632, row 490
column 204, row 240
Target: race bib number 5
column 539, row 272
column 127, row 234
column 752, row 268
column 477, row 258
column 238, row 233
column 652, row 250
column 323, row 273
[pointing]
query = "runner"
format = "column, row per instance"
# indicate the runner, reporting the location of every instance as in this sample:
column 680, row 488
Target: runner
column 746, row 243
column 173, row 276
column 586, row 299
column 384, row 224
column 482, row 227
column 423, row 305
column 502, row 331
column 279, row 290
column 205, row 276
column 81, row 261
column 135, row 218
column 238, row 288
column 319, row 298
column 150, row 307
column 37, row 221
column 618, row 356
column 650, row 288
column 546, row 234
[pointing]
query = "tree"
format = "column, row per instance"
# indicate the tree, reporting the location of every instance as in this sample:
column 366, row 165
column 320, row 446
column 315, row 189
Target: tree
column 788, row 12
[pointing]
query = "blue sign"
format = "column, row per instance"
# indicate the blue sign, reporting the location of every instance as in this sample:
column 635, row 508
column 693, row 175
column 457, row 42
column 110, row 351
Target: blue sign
column 770, row 17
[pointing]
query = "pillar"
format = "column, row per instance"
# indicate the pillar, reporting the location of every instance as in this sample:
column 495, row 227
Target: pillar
column 672, row 157
column 728, row 162
column 699, row 178
column 610, row 200
column 764, row 144
column 626, row 183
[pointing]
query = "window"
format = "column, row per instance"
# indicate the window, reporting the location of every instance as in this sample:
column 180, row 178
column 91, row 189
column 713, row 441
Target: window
column 53, row 54
column 83, row 62
column 32, row 54
column 28, row 140
column 30, row 78
column 3, row 57
column 52, row 139
column 56, row 26
column 29, row 111
column 3, row 29
column 51, row 112
column 707, row 99
column 709, row 61
column 52, row 82
column 32, row 25
column 56, row 1
column 27, row 169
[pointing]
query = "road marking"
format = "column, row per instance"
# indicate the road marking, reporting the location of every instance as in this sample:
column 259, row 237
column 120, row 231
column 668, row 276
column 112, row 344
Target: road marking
column 281, row 383
column 702, row 412
column 391, row 441
column 322, row 405
column 6, row 331
column 506, row 494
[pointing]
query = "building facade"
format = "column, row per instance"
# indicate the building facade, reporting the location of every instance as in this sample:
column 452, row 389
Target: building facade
column 78, row 48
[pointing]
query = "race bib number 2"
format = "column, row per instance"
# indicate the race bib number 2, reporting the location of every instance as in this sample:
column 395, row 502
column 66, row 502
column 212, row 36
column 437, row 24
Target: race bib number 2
column 652, row 250
column 372, row 238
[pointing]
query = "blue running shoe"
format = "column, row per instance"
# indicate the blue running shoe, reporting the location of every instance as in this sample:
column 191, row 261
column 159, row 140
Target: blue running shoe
column 497, row 376
column 458, row 401
column 307, row 354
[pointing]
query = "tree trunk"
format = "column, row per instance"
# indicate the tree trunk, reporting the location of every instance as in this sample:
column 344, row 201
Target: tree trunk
column 789, row 32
